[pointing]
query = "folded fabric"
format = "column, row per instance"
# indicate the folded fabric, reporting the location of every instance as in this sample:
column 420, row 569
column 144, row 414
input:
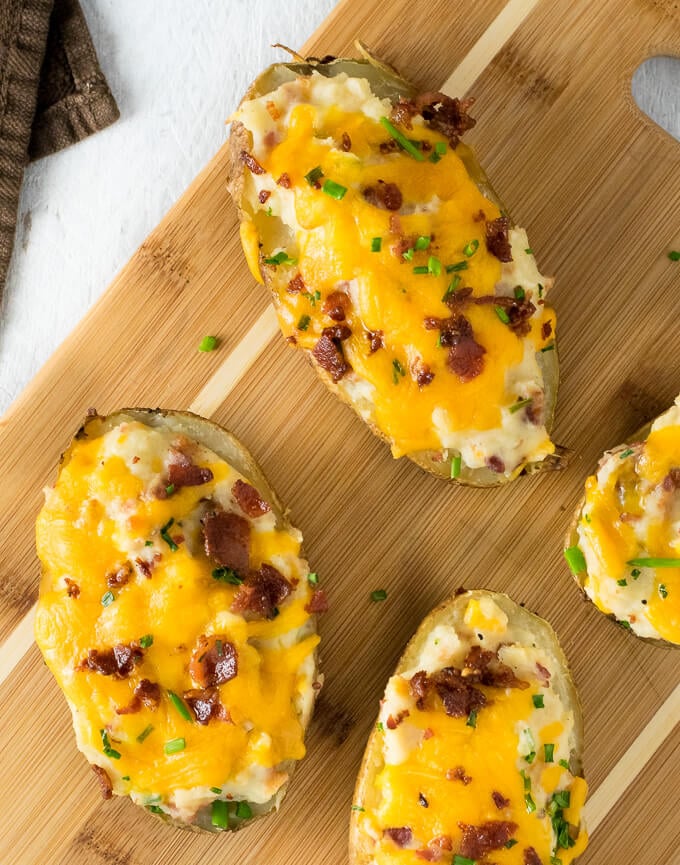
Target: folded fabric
column 52, row 94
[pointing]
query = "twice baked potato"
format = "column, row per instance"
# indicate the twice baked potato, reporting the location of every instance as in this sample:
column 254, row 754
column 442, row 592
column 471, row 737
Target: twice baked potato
column 395, row 267
column 177, row 615
column 476, row 755
column 623, row 547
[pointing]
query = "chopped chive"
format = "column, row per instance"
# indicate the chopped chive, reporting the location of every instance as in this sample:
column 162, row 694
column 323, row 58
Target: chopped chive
column 502, row 314
column 227, row 575
column 434, row 266
column 218, row 647
column 462, row 860
column 529, row 250
column 453, row 285
column 268, row 211
column 423, row 241
column 303, row 323
column 312, row 579
column 471, row 247
column 397, row 370
column 674, row 255
column 148, row 543
column 166, row 537
column 147, row 731
column 280, row 258
column 216, row 790
column 170, row 489
column 540, row 290
column 635, row 573
column 107, row 599
column 453, row 268
column 549, row 752
column 376, row 244
column 622, row 582
column 125, row 778
column 554, row 860
column 472, row 719
column 106, row 746
column 380, row 726
column 379, row 595
column 626, row 453
column 562, row 798
column 408, row 255
column 663, row 591
column 402, row 140
column 208, row 343
column 455, row 466
column 174, row 746
column 653, row 562
column 521, row 403
column 358, row 808
column 527, row 781
column 519, row 292
column 625, row 624
column 538, row 701
column 530, row 757
column 178, row 703
column 440, row 148
column 421, row 269
column 529, row 802
column 434, row 157
column 155, row 809
column 314, row 176
column 335, row 190
column 575, row 559
column 243, row 811
column 511, row 843
column 219, row 815
column 550, row 347
column 565, row 765
column 439, row 341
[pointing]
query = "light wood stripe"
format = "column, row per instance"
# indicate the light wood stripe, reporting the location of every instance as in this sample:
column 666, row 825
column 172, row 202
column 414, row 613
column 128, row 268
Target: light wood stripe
column 17, row 644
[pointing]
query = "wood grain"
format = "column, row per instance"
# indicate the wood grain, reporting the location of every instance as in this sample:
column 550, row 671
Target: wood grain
column 597, row 186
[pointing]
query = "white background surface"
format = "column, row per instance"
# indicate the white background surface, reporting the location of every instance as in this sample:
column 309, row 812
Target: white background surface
column 177, row 69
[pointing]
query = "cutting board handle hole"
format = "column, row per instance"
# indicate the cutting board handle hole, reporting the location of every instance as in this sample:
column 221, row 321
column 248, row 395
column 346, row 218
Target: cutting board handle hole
column 656, row 91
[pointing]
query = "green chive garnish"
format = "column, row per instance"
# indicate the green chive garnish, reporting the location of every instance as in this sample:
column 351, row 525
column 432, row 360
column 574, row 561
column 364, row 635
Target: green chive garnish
column 397, row 370
column 527, row 781
column 408, row 255
column 208, row 343
column 434, row 266
column 147, row 731
column 625, row 453
column 529, row 250
column 170, row 489
column 625, row 625
column 622, row 582
column 653, row 562
column 108, row 750
column 423, row 241
column 562, row 798
column 125, row 778
column 538, row 701
column 174, row 746
column 107, row 599
column 453, row 268
column 565, row 765
column 303, row 323
column 148, row 543
column 280, row 258
column 519, row 292
column 521, row 403
column 471, row 247
column 178, row 703
column 502, row 314
column 379, row 595
column 511, row 843
column 550, row 347
column 472, row 719
column 243, row 811
column 635, row 573
column 555, row 861
column 314, row 176
column 549, row 753
column 455, row 466
column 335, row 190
column 227, row 575
column 216, row 790
column 146, row 641
column 674, row 255
column 462, row 860
column 453, row 285
column 663, row 591
column 421, row 269
column 530, row 757
column 440, row 148
column 312, row 579
column 529, row 802
column 358, row 808
column 376, row 244
column 166, row 537
column 575, row 559
column 402, row 140
column 155, row 809
column 219, row 815
column 380, row 726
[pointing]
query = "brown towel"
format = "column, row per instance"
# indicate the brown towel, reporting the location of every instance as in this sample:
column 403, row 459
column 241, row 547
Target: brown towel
column 52, row 94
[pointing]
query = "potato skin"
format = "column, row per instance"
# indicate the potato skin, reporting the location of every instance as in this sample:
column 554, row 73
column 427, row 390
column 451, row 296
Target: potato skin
column 450, row 613
column 229, row 448
column 386, row 82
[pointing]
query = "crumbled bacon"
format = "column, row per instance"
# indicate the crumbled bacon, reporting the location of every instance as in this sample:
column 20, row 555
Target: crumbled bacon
column 466, row 355
column 249, row 499
column 479, row 840
column 72, row 588
column 543, row 674
column 263, row 195
column 499, row 800
column 403, row 112
column 531, row 857
column 318, row 603
column 272, row 110
column 214, row 661
column 672, row 480
column 395, row 223
column 375, row 339
column 346, row 142
column 182, row 472
column 227, row 540
column 401, row 836
column 104, row 782
column 457, row 694
column 534, row 410
column 497, row 240
column 120, row 577
column 480, row 216
column 262, row 592
column 423, row 374
column 518, row 311
column 386, row 196
column 336, row 304
column 118, row 661
column 393, row 721
column 496, row 464
column 146, row 693
column 436, row 849
column 296, row 285
column 337, row 332
column 284, row 180
column 445, row 114
column 546, row 329
column 428, row 733
column 205, row 704
column 389, row 146
column 330, row 357
column 484, row 667
column 458, row 774
column 145, row 567
column 250, row 162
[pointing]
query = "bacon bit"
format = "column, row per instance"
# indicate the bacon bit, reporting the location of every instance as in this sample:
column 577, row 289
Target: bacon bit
column 250, row 162
column 483, row 666
column 118, row 661
column 214, row 661
column 296, row 285
column 672, row 480
column 335, row 305
column 262, row 592
column 401, row 836
column 480, row 216
column 145, row 567
column 543, row 674
column 116, row 579
column 389, row 146
column 466, row 355
column 291, row 340
column 263, row 195
column 318, row 603
column 337, row 332
column 458, row 774
column 386, row 196
column 518, row 311
column 329, row 357
column 436, row 849
column 249, row 499
column 399, row 248
column 284, row 180
column 227, row 540
column 428, row 733
column 457, row 694
column 395, row 224
column 206, row 705
column 135, row 460
column 346, row 142
column 403, row 112
column 499, row 800
column 546, row 330
column 104, row 782
column 375, row 340
column 479, row 840
column 422, row 373
column 272, row 110
column 394, row 720
column 531, row 857
column 147, row 693
column 445, row 114
column 497, row 240
column 534, row 411
column 496, row 464
column 183, row 473
column 72, row 588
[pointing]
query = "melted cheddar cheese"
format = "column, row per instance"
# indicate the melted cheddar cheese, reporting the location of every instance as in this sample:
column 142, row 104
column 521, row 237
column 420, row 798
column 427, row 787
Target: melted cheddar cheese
column 104, row 514
column 632, row 512
column 395, row 267
column 506, row 763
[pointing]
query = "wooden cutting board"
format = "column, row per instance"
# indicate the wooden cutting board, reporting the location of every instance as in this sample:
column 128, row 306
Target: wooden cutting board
column 598, row 188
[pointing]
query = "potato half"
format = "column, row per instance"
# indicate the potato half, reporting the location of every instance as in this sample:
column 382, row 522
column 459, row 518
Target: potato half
column 476, row 755
column 623, row 546
column 395, row 267
column 177, row 615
